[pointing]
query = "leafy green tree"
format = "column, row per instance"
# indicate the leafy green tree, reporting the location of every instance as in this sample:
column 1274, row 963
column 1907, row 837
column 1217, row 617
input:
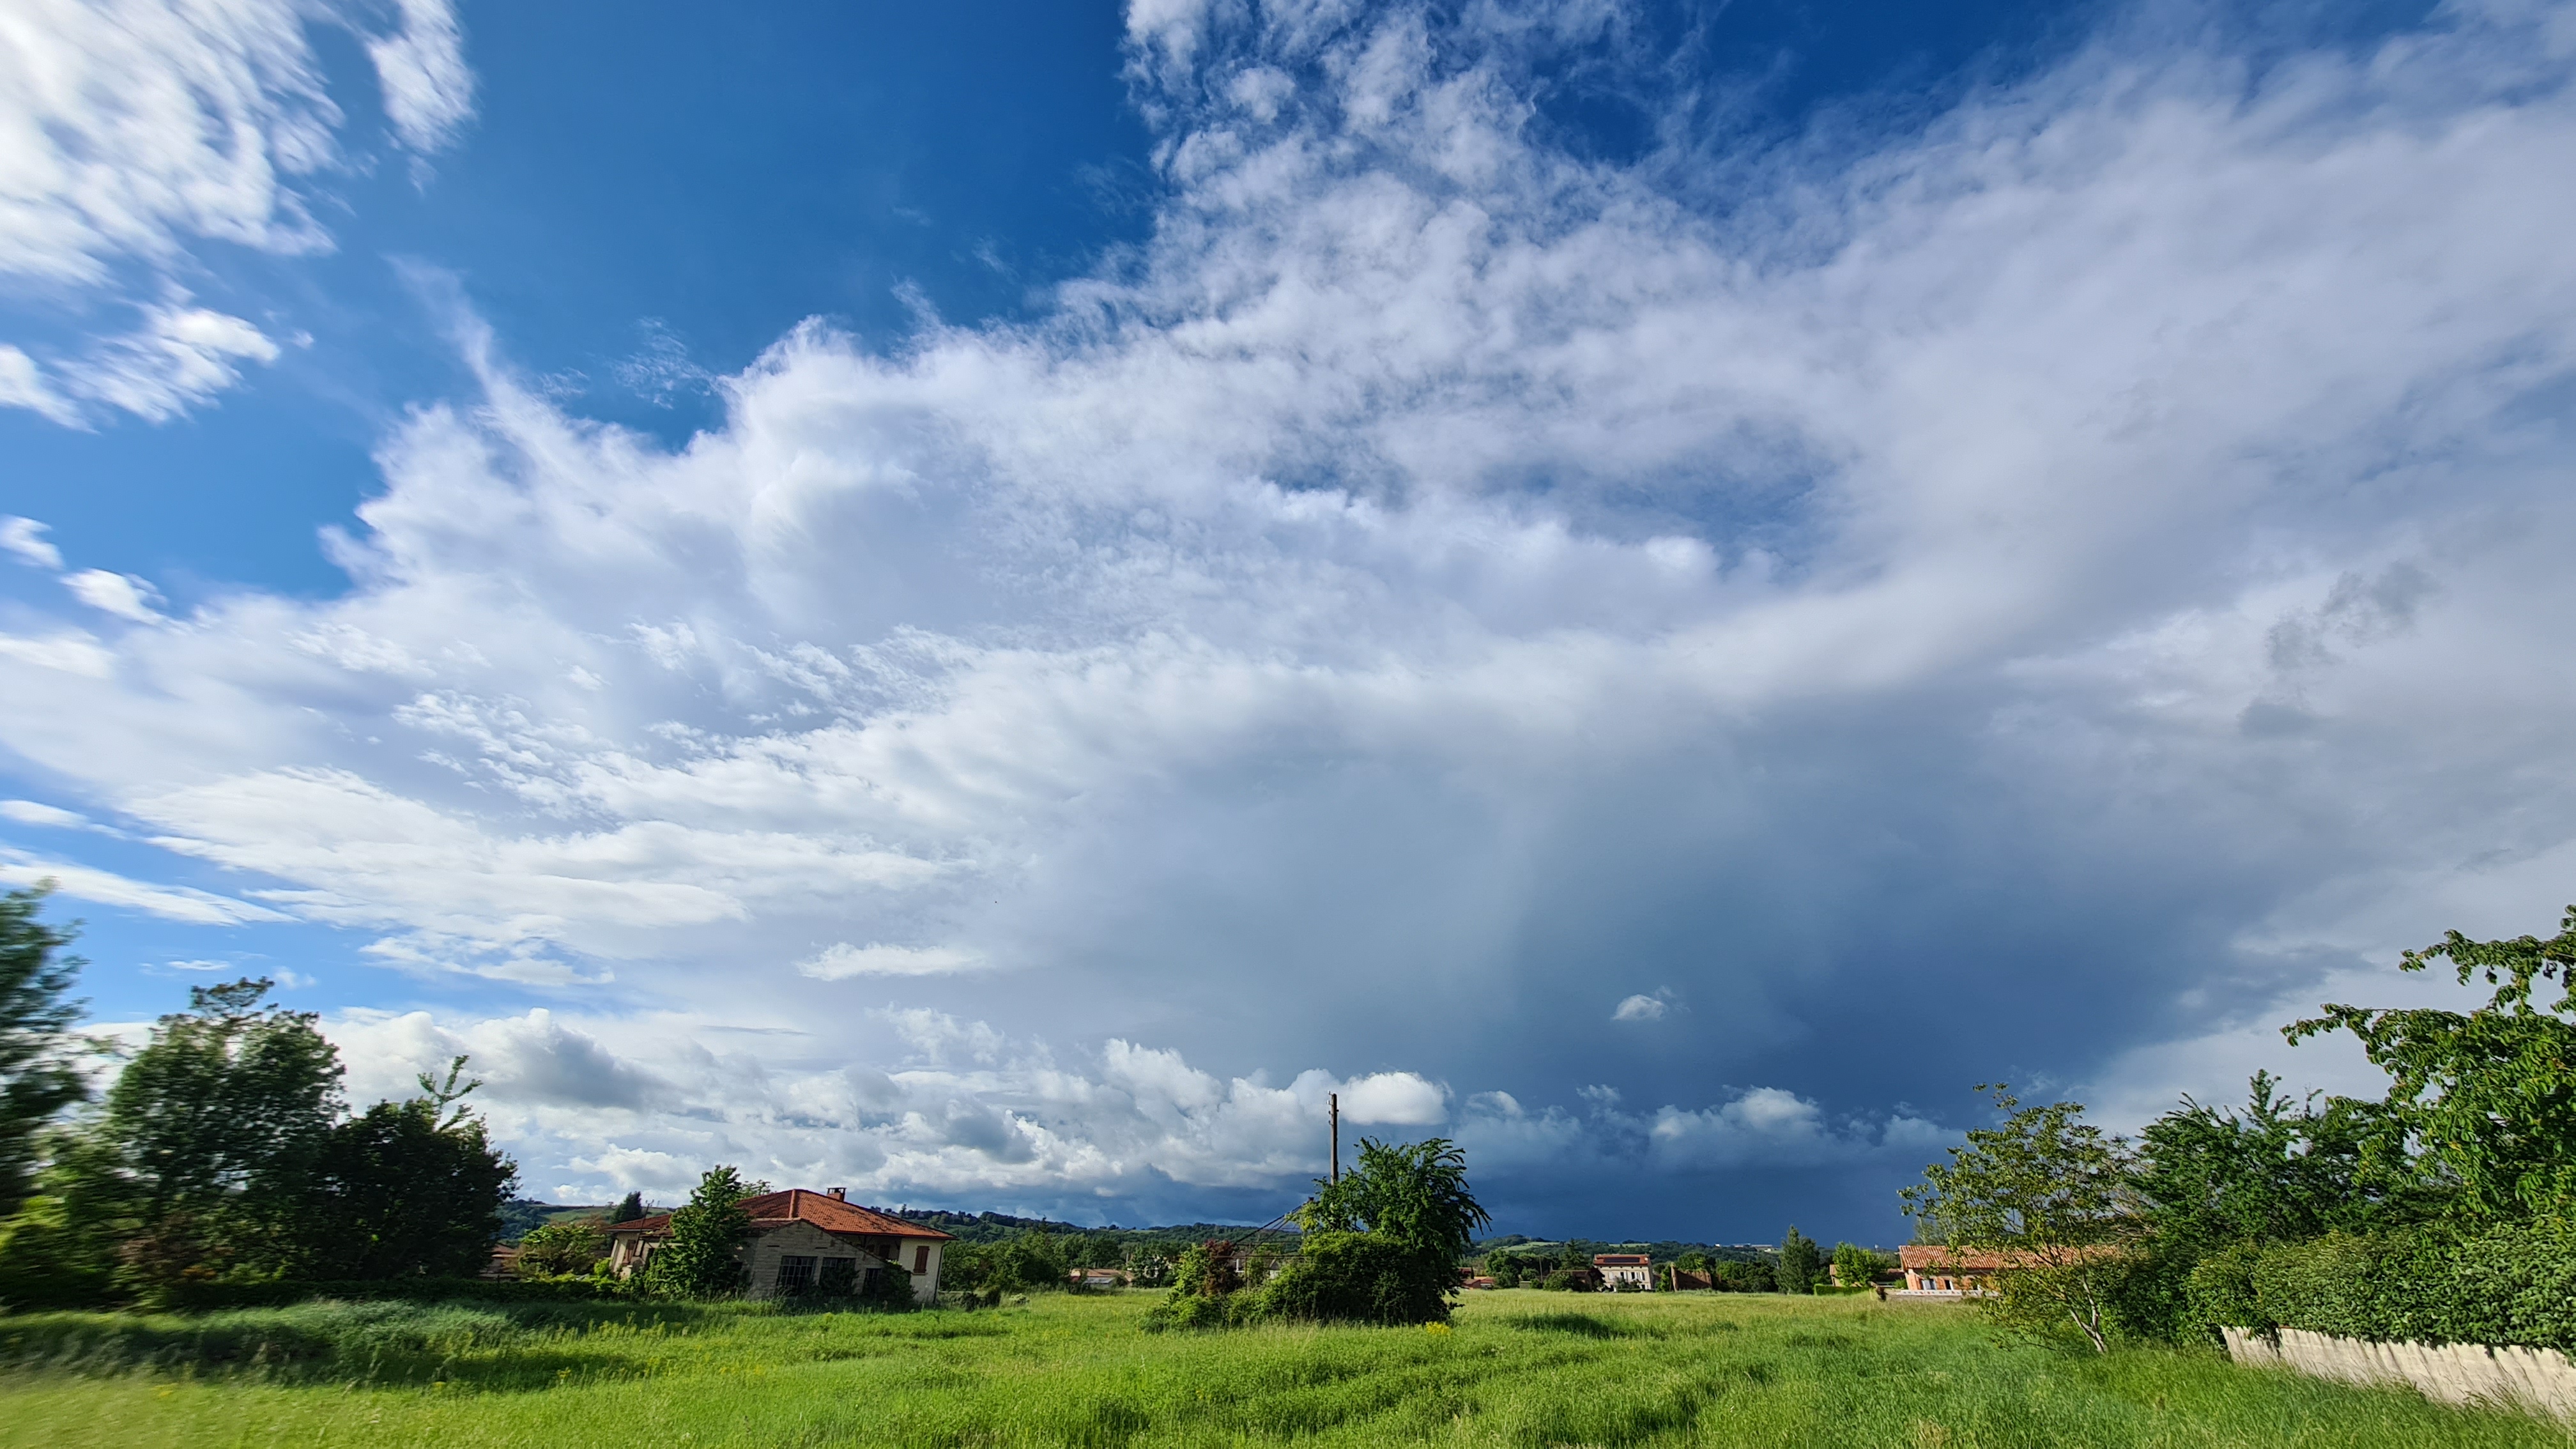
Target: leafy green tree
column 409, row 1188
column 39, row 1053
column 1034, row 1260
column 1416, row 1195
column 1800, row 1263
column 557, row 1249
column 204, row 1157
column 2278, row 1171
column 1854, row 1265
column 703, row 1255
column 2480, row 1103
column 2053, row 1196
column 1420, row 1219
column 629, row 1208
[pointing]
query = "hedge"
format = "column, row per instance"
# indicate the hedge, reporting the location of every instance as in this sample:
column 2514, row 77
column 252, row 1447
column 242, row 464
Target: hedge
column 2505, row 1285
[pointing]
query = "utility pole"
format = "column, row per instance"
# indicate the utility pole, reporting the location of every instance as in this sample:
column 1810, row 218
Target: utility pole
column 1337, row 1136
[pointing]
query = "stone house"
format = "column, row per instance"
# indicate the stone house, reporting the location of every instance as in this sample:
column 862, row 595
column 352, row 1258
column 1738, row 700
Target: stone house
column 801, row 1240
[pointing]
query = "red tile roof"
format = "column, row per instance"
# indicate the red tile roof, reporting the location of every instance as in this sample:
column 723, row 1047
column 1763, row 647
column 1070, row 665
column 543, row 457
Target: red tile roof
column 797, row 1204
column 1621, row 1260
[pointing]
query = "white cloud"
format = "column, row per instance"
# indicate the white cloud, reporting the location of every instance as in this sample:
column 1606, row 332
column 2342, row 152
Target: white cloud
column 1434, row 549
column 429, row 92
column 123, row 595
column 30, row 812
column 1402, row 1099
column 133, row 132
column 25, row 538
column 1640, row 1008
column 841, row 961
column 171, row 903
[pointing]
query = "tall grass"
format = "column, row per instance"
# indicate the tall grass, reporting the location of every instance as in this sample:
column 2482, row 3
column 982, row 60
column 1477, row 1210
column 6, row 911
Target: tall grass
column 1520, row 1369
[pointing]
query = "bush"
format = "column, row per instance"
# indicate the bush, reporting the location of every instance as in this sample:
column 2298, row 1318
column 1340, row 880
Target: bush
column 1567, row 1280
column 2510, row 1285
column 1361, row 1278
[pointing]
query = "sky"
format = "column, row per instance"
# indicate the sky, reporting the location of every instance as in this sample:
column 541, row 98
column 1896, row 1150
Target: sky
column 987, row 603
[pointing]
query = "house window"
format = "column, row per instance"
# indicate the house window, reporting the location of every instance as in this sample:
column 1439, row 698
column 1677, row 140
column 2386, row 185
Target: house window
column 795, row 1273
column 839, row 1277
column 921, row 1258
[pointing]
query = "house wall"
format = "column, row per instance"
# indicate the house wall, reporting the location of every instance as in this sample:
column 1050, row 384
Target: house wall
column 766, row 1248
column 803, row 1238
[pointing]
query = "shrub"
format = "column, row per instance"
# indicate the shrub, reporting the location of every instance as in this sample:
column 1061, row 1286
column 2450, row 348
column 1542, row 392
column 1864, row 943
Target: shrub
column 2508, row 1285
column 1361, row 1278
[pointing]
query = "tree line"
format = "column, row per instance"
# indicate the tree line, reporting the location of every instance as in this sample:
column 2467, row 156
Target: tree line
column 2443, row 1211
column 223, row 1151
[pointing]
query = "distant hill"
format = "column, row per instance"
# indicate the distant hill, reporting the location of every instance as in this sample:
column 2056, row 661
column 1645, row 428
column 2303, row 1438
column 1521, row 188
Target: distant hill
column 521, row 1216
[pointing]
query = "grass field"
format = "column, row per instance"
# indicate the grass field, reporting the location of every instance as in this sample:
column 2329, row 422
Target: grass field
column 1521, row 1368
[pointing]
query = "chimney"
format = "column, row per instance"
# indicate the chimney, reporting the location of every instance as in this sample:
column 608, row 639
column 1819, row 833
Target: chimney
column 840, row 1194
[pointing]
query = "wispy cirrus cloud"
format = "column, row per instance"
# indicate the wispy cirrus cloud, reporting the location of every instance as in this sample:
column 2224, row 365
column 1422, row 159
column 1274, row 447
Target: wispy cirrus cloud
column 139, row 131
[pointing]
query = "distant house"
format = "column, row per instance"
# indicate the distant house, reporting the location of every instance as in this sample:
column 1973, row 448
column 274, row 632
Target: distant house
column 1933, row 1271
column 1098, row 1279
column 1625, row 1270
column 801, row 1239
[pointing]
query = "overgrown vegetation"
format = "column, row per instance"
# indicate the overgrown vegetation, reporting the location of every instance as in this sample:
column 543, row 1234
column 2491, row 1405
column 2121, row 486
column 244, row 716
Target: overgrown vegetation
column 1380, row 1244
column 222, row 1153
column 2444, row 1212
column 1512, row 1369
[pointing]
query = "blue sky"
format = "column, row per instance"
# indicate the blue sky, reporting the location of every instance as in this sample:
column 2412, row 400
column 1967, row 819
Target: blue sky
column 984, row 603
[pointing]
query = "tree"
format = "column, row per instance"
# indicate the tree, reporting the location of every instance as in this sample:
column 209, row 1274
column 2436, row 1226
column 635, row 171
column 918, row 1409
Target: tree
column 2051, row 1195
column 1417, row 1195
column 39, row 1054
column 409, row 1188
column 2480, row 1103
column 1854, row 1265
column 2278, row 1171
column 703, row 1257
column 1799, row 1263
column 205, row 1154
column 1386, row 1240
column 629, row 1208
column 560, row 1248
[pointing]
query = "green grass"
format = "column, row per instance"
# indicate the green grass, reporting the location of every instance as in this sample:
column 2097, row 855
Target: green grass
column 1521, row 1369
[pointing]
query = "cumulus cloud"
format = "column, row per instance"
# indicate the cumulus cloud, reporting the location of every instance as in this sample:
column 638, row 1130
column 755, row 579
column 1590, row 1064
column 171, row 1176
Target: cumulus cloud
column 1640, row 1008
column 1980, row 569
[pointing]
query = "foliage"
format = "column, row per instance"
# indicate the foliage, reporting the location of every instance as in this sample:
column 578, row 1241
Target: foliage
column 1799, row 1263
column 2053, row 1196
column 1032, row 1261
column 1067, row 1371
column 1855, row 1266
column 2278, row 1171
column 628, row 1209
column 2481, row 1102
column 2505, row 1283
column 202, row 1162
column 39, row 1053
column 1416, row 1195
column 408, row 1189
column 1373, row 1277
column 702, row 1258
column 1736, row 1276
column 574, row 1246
